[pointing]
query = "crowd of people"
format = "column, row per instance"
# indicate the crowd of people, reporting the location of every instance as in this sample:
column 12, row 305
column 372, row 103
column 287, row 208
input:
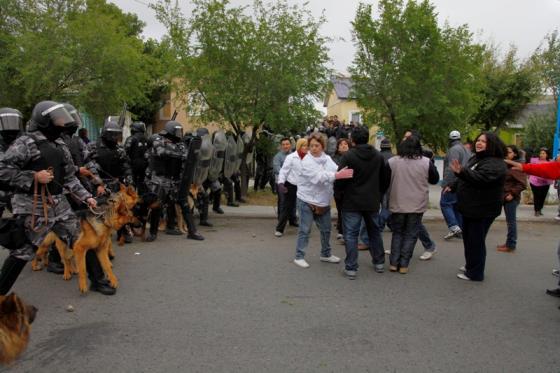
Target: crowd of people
column 373, row 189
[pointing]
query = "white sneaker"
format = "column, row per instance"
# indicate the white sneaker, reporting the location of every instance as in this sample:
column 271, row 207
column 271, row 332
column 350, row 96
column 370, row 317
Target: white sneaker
column 462, row 269
column 427, row 255
column 462, row 276
column 301, row 263
column 557, row 217
column 556, row 272
column 454, row 231
column 339, row 236
column 330, row 259
column 387, row 252
column 278, row 234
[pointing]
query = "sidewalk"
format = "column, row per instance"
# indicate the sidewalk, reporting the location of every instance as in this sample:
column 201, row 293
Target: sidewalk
column 525, row 213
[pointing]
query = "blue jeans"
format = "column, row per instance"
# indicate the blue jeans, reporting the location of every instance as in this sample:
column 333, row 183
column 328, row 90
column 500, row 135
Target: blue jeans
column 352, row 221
column 306, row 219
column 510, row 209
column 448, row 205
column 424, row 237
column 384, row 213
column 405, row 235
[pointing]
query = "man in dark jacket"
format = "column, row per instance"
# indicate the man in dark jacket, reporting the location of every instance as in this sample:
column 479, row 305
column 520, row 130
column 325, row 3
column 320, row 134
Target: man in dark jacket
column 362, row 197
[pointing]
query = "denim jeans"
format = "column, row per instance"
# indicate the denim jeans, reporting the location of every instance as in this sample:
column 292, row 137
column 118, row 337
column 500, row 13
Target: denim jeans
column 306, row 219
column 424, row 237
column 384, row 213
column 352, row 221
column 448, row 205
column 510, row 209
column 405, row 235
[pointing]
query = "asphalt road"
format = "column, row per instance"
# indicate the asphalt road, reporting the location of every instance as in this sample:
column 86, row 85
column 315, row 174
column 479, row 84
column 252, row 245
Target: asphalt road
column 236, row 303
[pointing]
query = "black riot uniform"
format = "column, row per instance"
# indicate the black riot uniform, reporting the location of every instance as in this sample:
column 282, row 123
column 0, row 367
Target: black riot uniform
column 136, row 148
column 109, row 163
column 11, row 126
column 167, row 157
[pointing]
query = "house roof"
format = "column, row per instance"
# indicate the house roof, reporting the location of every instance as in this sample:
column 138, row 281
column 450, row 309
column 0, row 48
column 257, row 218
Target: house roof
column 543, row 107
column 342, row 87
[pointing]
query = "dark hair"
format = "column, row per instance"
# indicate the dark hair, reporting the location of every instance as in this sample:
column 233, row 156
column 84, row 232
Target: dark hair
column 285, row 139
column 495, row 147
column 82, row 131
column 410, row 148
column 515, row 151
column 317, row 137
column 544, row 149
column 340, row 141
column 360, row 135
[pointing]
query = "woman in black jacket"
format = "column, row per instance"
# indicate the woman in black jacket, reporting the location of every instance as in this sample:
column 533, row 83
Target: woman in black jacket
column 480, row 188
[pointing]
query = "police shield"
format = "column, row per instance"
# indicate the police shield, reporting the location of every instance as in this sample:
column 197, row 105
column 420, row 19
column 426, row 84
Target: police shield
column 217, row 162
column 231, row 157
column 204, row 158
column 240, row 147
column 249, row 158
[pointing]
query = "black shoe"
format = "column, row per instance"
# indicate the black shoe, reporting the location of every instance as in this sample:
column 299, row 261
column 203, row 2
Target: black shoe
column 233, row 204
column 218, row 210
column 173, row 232
column 151, row 237
column 554, row 292
column 55, row 267
column 127, row 238
column 242, row 200
column 205, row 223
column 195, row 236
column 103, row 287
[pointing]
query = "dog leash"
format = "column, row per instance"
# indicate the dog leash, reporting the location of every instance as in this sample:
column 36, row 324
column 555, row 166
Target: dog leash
column 46, row 200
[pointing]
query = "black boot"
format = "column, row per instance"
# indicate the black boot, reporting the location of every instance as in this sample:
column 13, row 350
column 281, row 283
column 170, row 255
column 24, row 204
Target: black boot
column 96, row 275
column 216, row 201
column 187, row 216
column 155, row 215
column 55, row 263
column 9, row 273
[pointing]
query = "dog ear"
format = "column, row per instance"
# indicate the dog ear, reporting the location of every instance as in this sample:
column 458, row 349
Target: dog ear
column 122, row 188
column 9, row 304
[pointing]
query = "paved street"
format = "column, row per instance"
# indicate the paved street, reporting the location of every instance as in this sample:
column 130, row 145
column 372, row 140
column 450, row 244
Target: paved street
column 235, row 302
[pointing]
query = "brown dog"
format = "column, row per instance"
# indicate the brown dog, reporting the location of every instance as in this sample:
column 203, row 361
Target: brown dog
column 95, row 234
column 15, row 321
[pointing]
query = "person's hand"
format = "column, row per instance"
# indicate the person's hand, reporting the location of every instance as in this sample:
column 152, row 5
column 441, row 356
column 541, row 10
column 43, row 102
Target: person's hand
column 282, row 188
column 508, row 197
column 101, row 190
column 446, row 189
column 456, row 166
column 91, row 202
column 515, row 165
column 85, row 172
column 345, row 173
column 44, row 176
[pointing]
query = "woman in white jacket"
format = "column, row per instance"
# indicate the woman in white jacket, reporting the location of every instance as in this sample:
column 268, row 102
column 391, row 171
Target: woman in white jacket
column 314, row 193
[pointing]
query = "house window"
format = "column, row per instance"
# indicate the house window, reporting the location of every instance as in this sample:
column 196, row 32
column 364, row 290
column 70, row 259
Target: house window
column 356, row 117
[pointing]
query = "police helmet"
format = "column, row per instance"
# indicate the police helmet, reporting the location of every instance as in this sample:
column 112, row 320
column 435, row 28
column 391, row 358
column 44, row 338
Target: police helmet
column 173, row 129
column 138, row 127
column 111, row 131
column 74, row 113
column 51, row 114
column 11, row 120
column 202, row 131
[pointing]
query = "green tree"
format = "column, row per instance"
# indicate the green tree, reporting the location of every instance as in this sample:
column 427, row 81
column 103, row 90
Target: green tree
column 539, row 131
column 547, row 60
column 408, row 72
column 247, row 67
column 87, row 52
column 509, row 85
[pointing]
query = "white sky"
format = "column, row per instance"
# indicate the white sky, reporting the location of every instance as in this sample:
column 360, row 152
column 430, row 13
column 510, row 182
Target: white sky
column 523, row 23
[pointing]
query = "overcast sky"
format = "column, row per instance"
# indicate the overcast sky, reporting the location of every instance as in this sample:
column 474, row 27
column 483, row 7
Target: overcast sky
column 523, row 23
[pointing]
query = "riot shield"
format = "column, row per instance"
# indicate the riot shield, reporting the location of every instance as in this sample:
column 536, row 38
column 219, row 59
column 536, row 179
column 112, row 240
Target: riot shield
column 193, row 144
column 217, row 162
column 231, row 157
column 204, row 158
column 240, row 147
column 249, row 159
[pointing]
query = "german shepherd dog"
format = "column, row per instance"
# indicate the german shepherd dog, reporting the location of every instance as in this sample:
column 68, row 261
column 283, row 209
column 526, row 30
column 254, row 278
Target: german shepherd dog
column 95, row 234
column 15, row 321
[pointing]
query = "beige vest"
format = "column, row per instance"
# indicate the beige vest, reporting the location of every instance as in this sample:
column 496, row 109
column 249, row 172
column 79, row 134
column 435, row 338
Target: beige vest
column 409, row 190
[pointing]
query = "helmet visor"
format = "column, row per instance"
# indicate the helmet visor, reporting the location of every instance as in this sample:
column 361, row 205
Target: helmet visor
column 11, row 122
column 177, row 132
column 58, row 115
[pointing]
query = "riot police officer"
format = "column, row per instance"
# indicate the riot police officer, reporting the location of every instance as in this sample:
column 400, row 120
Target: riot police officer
column 167, row 156
column 11, row 126
column 108, row 160
column 41, row 161
column 136, row 147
